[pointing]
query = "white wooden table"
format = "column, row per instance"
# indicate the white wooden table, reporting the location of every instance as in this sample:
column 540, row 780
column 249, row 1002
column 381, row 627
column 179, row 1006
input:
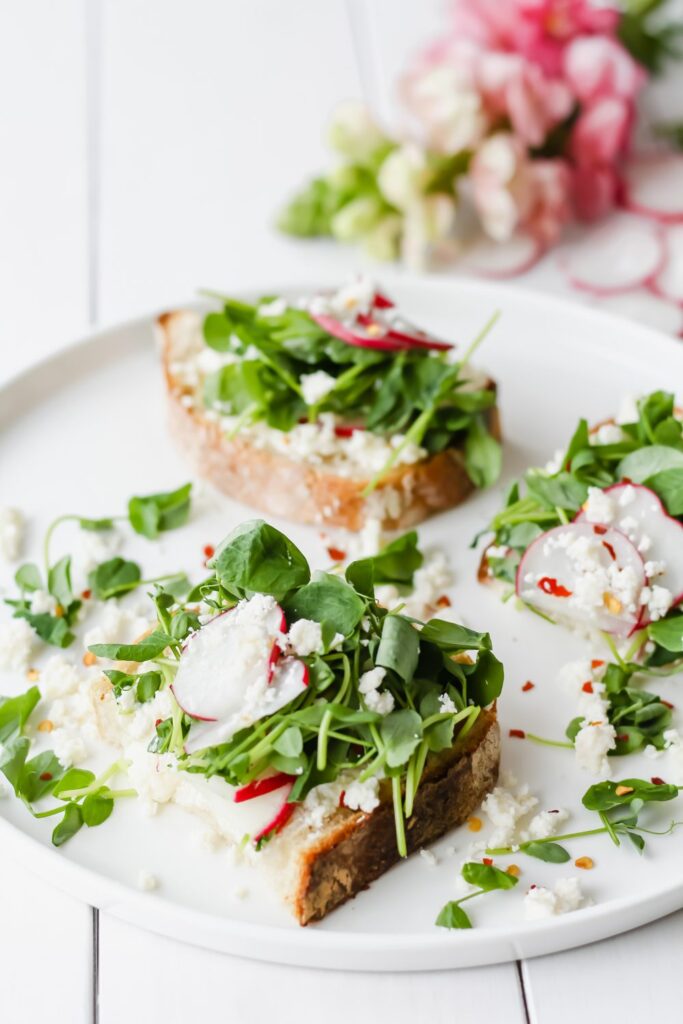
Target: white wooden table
column 144, row 147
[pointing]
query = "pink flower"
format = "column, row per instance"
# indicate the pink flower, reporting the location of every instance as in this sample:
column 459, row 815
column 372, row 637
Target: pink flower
column 550, row 207
column 601, row 133
column 536, row 29
column 515, row 88
column 597, row 66
column 595, row 191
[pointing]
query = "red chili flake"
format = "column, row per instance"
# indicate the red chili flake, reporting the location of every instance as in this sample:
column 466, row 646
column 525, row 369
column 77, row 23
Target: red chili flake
column 532, row 887
column 626, row 480
column 86, row 594
column 158, row 722
column 517, row 734
column 444, row 601
column 597, row 663
column 487, row 860
column 345, row 431
column 341, row 797
column 336, row 554
column 549, row 585
column 209, row 551
column 610, row 550
column 46, row 776
column 666, row 703
column 623, row 738
column 656, row 781
column 600, row 530
column 587, row 687
column 528, row 686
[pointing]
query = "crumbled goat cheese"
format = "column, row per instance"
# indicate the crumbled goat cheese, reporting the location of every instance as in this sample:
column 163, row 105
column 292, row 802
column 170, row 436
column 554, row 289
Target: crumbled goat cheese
column 608, row 433
column 362, row 796
column 347, row 302
column 592, row 743
column 315, row 386
column 42, row 602
column 97, row 546
column 154, row 776
column 429, row 858
column 554, row 465
column 210, row 839
column 431, row 580
column 68, row 746
column 446, row 704
column 369, row 684
column 305, row 637
column 505, row 809
column 540, row 902
column 574, row 674
column 628, row 410
column 59, row 677
column 117, row 624
column 147, row 882
column 12, row 528
column 658, row 601
column 544, row 824
column 322, row 801
column 599, row 506
column 17, row 644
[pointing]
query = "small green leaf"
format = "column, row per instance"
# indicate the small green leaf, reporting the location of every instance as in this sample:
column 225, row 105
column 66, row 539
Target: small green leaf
column 148, row 684
column 28, row 578
column 144, row 650
column 399, row 647
column 116, row 576
column 152, row 514
column 73, row 779
column 453, row 916
column 40, row 776
column 483, row 454
column 257, row 558
column 487, row 877
column 59, row 582
column 96, row 525
column 71, row 823
column 14, row 712
column 290, row 743
column 401, row 731
column 96, row 808
column 553, row 853
column 327, row 598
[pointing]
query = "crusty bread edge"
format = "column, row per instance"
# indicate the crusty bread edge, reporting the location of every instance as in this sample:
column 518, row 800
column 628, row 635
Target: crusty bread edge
column 469, row 771
column 291, row 489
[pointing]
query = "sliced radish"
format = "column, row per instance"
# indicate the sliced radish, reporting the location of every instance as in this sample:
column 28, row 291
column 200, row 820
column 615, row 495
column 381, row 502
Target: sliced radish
column 640, row 514
column 229, row 658
column 646, row 308
column 289, row 681
column 669, row 281
column 370, row 336
column 381, row 301
column 347, row 429
column 587, row 574
column 621, row 254
column 259, row 787
column 499, row 260
column 277, row 823
column 653, row 186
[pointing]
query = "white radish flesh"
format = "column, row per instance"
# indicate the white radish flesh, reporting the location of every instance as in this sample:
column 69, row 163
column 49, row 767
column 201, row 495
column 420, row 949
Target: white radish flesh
column 229, row 658
column 623, row 253
column 499, row 260
column 290, row 679
column 586, row 574
column 639, row 513
column 645, row 307
column 653, row 186
column 669, row 281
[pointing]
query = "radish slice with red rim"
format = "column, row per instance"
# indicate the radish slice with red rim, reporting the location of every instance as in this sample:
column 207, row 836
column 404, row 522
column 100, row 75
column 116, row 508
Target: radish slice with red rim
column 645, row 307
column 639, row 513
column 623, row 253
column 277, row 824
column 229, row 658
column 289, row 681
column 668, row 283
column 653, row 186
column 499, row 260
column 371, row 336
column 586, row 574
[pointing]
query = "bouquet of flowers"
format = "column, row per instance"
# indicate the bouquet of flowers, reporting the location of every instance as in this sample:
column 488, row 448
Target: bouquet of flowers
column 518, row 120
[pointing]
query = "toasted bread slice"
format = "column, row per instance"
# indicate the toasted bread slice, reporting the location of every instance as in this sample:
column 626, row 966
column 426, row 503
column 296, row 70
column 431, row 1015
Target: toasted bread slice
column 297, row 490
column 318, row 873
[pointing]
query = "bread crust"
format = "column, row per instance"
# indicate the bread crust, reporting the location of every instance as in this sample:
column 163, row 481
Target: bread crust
column 280, row 486
column 357, row 848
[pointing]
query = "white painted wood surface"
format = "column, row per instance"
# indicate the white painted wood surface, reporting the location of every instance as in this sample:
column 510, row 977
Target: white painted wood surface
column 145, row 146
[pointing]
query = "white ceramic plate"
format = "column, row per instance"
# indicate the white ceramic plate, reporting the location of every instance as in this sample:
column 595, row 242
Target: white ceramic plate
column 85, row 429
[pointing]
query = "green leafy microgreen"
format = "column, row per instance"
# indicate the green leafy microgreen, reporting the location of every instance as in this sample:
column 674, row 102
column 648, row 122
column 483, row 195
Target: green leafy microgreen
column 485, row 878
column 152, row 514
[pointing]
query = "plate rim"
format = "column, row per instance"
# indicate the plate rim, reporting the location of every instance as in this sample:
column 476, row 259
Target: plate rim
column 364, row 951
